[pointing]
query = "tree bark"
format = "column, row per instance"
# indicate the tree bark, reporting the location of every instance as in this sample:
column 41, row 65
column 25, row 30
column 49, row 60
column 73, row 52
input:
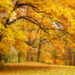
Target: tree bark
column 73, row 59
column 70, row 56
column 38, row 57
column 0, row 57
column 39, row 51
column 29, row 57
column 54, row 61
column 0, row 53
column 19, row 57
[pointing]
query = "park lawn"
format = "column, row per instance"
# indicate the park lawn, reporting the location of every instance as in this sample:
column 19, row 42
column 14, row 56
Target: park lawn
column 36, row 69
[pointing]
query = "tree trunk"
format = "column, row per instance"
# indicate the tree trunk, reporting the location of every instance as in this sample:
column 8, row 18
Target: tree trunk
column 29, row 56
column 0, row 38
column 6, row 60
column 73, row 59
column 0, row 57
column 0, row 53
column 39, row 51
column 54, row 61
column 70, row 56
column 38, row 57
column 19, row 57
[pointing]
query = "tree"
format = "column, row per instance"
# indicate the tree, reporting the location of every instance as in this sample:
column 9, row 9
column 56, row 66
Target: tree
column 54, row 55
column 53, row 17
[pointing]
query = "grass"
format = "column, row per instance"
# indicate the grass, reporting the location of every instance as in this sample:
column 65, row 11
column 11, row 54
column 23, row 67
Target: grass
column 36, row 69
column 39, row 72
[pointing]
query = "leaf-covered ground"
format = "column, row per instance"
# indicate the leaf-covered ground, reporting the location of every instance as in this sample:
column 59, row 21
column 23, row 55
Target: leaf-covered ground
column 36, row 69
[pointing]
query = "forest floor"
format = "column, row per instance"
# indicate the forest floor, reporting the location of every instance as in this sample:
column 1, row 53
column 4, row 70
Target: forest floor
column 34, row 68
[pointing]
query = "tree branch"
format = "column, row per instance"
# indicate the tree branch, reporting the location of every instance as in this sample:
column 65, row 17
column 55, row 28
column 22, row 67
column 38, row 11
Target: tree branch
column 38, row 24
column 18, row 5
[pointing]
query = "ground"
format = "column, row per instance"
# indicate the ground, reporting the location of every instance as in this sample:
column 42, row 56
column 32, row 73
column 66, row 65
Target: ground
column 34, row 68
